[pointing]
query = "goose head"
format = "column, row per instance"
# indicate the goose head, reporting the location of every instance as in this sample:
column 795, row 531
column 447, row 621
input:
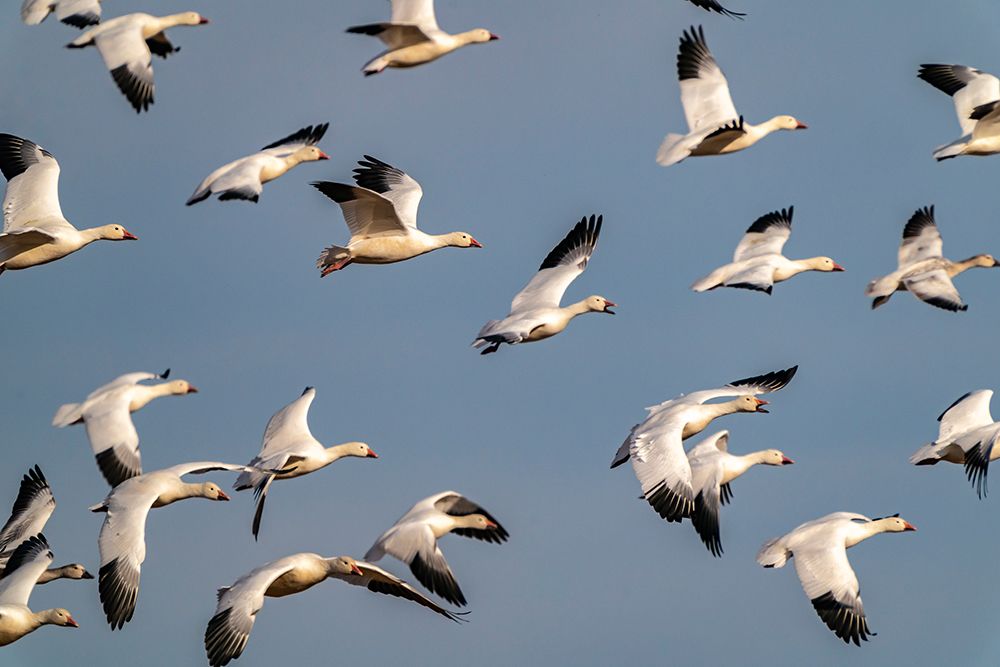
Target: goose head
column 310, row 154
column 212, row 491
column 181, row 387
column 480, row 35
column 344, row 565
column 360, row 449
column 750, row 404
column 788, row 123
column 476, row 521
column 58, row 616
column 775, row 457
column 75, row 571
column 985, row 261
column 598, row 304
column 115, row 233
column 894, row 524
column 190, row 18
column 824, row 264
column 461, row 240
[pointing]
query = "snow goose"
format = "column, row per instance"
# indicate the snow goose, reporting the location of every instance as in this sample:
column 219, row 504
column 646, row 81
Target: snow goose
column 77, row 13
column 382, row 216
column 106, row 414
column 123, row 534
column 413, row 539
column 656, row 448
column 714, row 6
column 535, row 313
column 34, row 229
column 758, row 263
column 238, row 605
column 712, row 470
column 976, row 94
column 714, row 126
column 32, row 508
column 922, row 270
column 289, row 445
column 413, row 37
column 127, row 45
column 24, row 568
column 820, row 551
column 245, row 178
column 968, row 436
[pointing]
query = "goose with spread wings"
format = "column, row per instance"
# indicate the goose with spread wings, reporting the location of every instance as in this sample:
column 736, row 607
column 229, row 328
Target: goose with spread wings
column 714, row 126
column 289, row 446
column 655, row 446
column 977, row 103
column 239, row 604
column 968, row 436
column 245, row 178
column 381, row 213
column 412, row 37
column 122, row 540
column 922, row 269
column 535, row 313
column 77, row 13
column 32, row 508
column 107, row 415
column 819, row 548
column 713, row 469
column 127, row 45
column 28, row 562
column 34, row 229
column 758, row 263
column 414, row 539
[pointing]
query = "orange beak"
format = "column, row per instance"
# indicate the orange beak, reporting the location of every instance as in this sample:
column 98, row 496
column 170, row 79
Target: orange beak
column 474, row 243
column 801, row 126
column 222, row 496
column 908, row 526
column 838, row 267
column 71, row 623
column 760, row 402
column 357, row 570
column 323, row 156
column 129, row 236
column 371, row 454
column 491, row 524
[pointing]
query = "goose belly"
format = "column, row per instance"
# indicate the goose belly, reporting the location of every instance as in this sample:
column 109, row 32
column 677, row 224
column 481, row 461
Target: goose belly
column 417, row 54
column 296, row 581
column 387, row 250
column 43, row 254
column 985, row 146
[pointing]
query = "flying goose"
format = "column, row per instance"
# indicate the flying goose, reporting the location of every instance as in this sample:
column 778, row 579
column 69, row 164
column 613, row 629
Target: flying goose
column 289, row 445
column 34, row 229
column 535, row 313
column 820, row 551
column 414, row 539
column 922, row 270
column 713, row 468
column 714, row 126
column 24, row 568
column 655, row 446
column 758, row 263
column 967, row 435
column 238, row 605
column 381, row 213
column 976, row 94
column 413, row 37
column 123, row 534
column 106, row 414
column 127, row 44
column 77, row 13
column 245, row 178
column 32, row 508
column 714, row 6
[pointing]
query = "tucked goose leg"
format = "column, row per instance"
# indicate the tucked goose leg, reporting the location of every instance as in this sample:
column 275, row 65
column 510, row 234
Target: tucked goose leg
column 878, row 301
column 492, row 348
column 336, row 266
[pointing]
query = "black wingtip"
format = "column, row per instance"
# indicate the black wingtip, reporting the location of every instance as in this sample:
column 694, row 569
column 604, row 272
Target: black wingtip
column 165, row 374
column 307, row 390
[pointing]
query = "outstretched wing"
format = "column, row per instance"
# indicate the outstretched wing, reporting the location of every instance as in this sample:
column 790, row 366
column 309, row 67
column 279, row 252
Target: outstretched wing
column 967, row 86
column 921, row 238
column 127, row 56
column 714, row 6
column 393, row 184
column 766, row 236
column 457, row 505
column 832, row 587
column 561, row 267
column 32, row 508
column 307, row 136
column 30, row 559
column 32, row 194
column 378, row 580
column 704, row 89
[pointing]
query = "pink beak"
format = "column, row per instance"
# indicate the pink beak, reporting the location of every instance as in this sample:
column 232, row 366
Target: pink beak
column 129, row 236
column 323, row 156
column 494, row 37
column 474, row 243
column 203, row 21
column 371, row 454
column 222, row 496
column 801, row 126
column 192, row 389
column 71, row 623
column 838, row 267
column 785, row 461
column 491, row 524
column 908, row 526
column 357, row 570
column 760, row 402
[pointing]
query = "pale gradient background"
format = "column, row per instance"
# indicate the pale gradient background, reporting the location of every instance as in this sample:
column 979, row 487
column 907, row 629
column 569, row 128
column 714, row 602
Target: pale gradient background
column 513, row 141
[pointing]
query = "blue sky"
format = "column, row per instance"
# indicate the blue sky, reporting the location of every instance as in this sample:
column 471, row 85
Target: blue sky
column 513, row 141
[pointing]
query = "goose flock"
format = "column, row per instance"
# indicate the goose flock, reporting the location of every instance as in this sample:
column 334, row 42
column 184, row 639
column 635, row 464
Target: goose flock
column 678, row 478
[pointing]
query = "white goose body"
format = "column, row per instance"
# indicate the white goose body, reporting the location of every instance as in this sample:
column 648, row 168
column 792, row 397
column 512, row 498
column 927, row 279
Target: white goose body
column 106, row 415
column 26, row 565
column 758, row 263
column 655, row 445
column 244, row 178
column 819, row 548
column 289, row 447
column 714, row 126
column 127, row 44
column 413, row 37
column 977, row 103
column 712, row 469
column 535, row 313
column 35, row 232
